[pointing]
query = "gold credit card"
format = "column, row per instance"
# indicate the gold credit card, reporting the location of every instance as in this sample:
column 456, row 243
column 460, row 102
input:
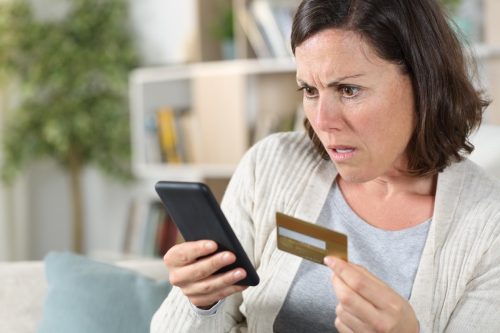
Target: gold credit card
column 309, row 241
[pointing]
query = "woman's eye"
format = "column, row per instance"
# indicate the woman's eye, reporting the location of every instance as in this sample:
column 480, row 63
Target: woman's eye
column 349, row 91
column 309, row 92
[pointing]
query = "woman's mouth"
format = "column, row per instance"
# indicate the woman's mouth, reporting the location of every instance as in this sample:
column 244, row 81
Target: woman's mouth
column 341, row 153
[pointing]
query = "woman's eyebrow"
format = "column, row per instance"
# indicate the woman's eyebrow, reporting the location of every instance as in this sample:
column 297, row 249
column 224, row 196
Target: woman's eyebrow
column 339, row 80
column 332, row 83
column 302, row 83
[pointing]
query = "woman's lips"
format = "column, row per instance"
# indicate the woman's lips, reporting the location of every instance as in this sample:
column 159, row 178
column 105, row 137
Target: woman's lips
column 341, row 153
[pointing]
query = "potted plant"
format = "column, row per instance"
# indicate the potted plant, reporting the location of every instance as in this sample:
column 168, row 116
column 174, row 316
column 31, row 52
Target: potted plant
column 223, row 30
column 72, row 77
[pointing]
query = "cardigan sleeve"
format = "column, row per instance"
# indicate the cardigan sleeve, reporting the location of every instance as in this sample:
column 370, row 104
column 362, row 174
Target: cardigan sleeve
column 176, row 313
column 479, row 307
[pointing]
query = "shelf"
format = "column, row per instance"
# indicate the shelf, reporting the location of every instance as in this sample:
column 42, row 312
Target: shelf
column 183, row 172
column 485, row 52
column 149, row 75
column 232, row 104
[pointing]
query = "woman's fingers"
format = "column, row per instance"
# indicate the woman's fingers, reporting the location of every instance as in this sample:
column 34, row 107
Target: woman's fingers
column 347, row 322
column 352, row 302
column 204, row 300
column 342, row 327
column 360, row 281
column 191, row 267
column 215, row 288
column 364, row 300
column 186, row 253
column 215, row 283
column 201, row 269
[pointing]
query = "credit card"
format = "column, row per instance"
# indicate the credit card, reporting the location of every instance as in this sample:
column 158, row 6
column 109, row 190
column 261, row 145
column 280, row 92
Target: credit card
column 309, row 241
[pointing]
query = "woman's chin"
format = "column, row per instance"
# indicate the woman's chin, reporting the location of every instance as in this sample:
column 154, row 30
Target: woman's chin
column 354, row 175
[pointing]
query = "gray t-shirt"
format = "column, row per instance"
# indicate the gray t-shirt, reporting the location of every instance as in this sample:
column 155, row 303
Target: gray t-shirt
column 392, row 256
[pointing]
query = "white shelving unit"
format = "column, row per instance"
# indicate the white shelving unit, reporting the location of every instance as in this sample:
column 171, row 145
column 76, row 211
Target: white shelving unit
column 228, row 99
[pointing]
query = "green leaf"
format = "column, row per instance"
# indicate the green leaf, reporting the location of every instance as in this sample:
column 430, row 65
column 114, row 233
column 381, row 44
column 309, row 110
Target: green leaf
column 73, row 82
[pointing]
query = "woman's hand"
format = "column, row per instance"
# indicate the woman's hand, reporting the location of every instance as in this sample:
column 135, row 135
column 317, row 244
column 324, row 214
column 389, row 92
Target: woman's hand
column 366, row 304
column 190, row 267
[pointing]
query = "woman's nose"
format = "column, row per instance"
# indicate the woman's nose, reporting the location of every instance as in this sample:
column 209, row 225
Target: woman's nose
column 327, row 115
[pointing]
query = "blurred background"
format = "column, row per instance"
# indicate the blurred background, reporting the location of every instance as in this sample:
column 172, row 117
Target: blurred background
column 100, row 99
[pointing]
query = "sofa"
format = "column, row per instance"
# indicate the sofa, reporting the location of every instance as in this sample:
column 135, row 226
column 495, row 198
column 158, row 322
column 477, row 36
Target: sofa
column 25, row 295
column 24, row 291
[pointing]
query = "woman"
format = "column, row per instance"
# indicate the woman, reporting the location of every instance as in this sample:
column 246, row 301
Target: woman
column 389, row 108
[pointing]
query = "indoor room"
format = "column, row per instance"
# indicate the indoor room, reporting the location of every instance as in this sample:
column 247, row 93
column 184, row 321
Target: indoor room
column 102, row 99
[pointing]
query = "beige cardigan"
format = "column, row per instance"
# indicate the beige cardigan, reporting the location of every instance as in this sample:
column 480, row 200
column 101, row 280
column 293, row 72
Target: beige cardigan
column 457, row 286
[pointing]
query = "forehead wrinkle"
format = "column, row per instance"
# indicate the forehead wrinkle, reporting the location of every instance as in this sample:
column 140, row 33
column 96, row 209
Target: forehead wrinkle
column 334, row 82
column 346, row 57
column 332, row 69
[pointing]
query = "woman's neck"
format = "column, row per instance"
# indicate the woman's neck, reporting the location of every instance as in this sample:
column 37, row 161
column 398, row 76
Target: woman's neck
column 388, row 186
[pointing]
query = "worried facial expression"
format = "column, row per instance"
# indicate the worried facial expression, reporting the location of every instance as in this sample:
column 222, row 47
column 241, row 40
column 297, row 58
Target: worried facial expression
column 360, row 106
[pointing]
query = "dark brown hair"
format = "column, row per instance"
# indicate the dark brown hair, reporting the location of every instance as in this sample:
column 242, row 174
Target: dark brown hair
column 415, row 35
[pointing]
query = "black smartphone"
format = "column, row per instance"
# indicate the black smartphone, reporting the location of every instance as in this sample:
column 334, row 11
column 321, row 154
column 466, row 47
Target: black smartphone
column 197, row 215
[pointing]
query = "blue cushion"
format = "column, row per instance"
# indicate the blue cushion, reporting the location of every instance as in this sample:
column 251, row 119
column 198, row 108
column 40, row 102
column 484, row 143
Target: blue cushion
column 89, row 296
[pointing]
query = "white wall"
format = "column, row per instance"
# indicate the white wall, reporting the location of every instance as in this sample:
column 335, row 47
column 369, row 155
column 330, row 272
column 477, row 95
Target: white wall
column 163, row 29
column 105, row 203
column 4, row 227
column 49, row 212
column 13, row 200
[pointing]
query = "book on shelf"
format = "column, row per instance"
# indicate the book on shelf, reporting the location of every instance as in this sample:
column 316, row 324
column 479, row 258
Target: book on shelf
column 254, row 33
column 191, row 141
column 167, row 235
column 169, row 136
column 137, row 213
column 283, row 13
column 150, row 231
column 268, row 26
column 263, row 13
column 152, row 150
column 269, row 123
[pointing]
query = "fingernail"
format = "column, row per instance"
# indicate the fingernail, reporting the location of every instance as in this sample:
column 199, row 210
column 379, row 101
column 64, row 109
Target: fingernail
column 237, row 274
column 209, row 245
column 329, row 261
column 226, row 257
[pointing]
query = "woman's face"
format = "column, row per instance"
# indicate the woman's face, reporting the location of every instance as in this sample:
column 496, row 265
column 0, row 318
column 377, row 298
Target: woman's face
column 360, row 106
